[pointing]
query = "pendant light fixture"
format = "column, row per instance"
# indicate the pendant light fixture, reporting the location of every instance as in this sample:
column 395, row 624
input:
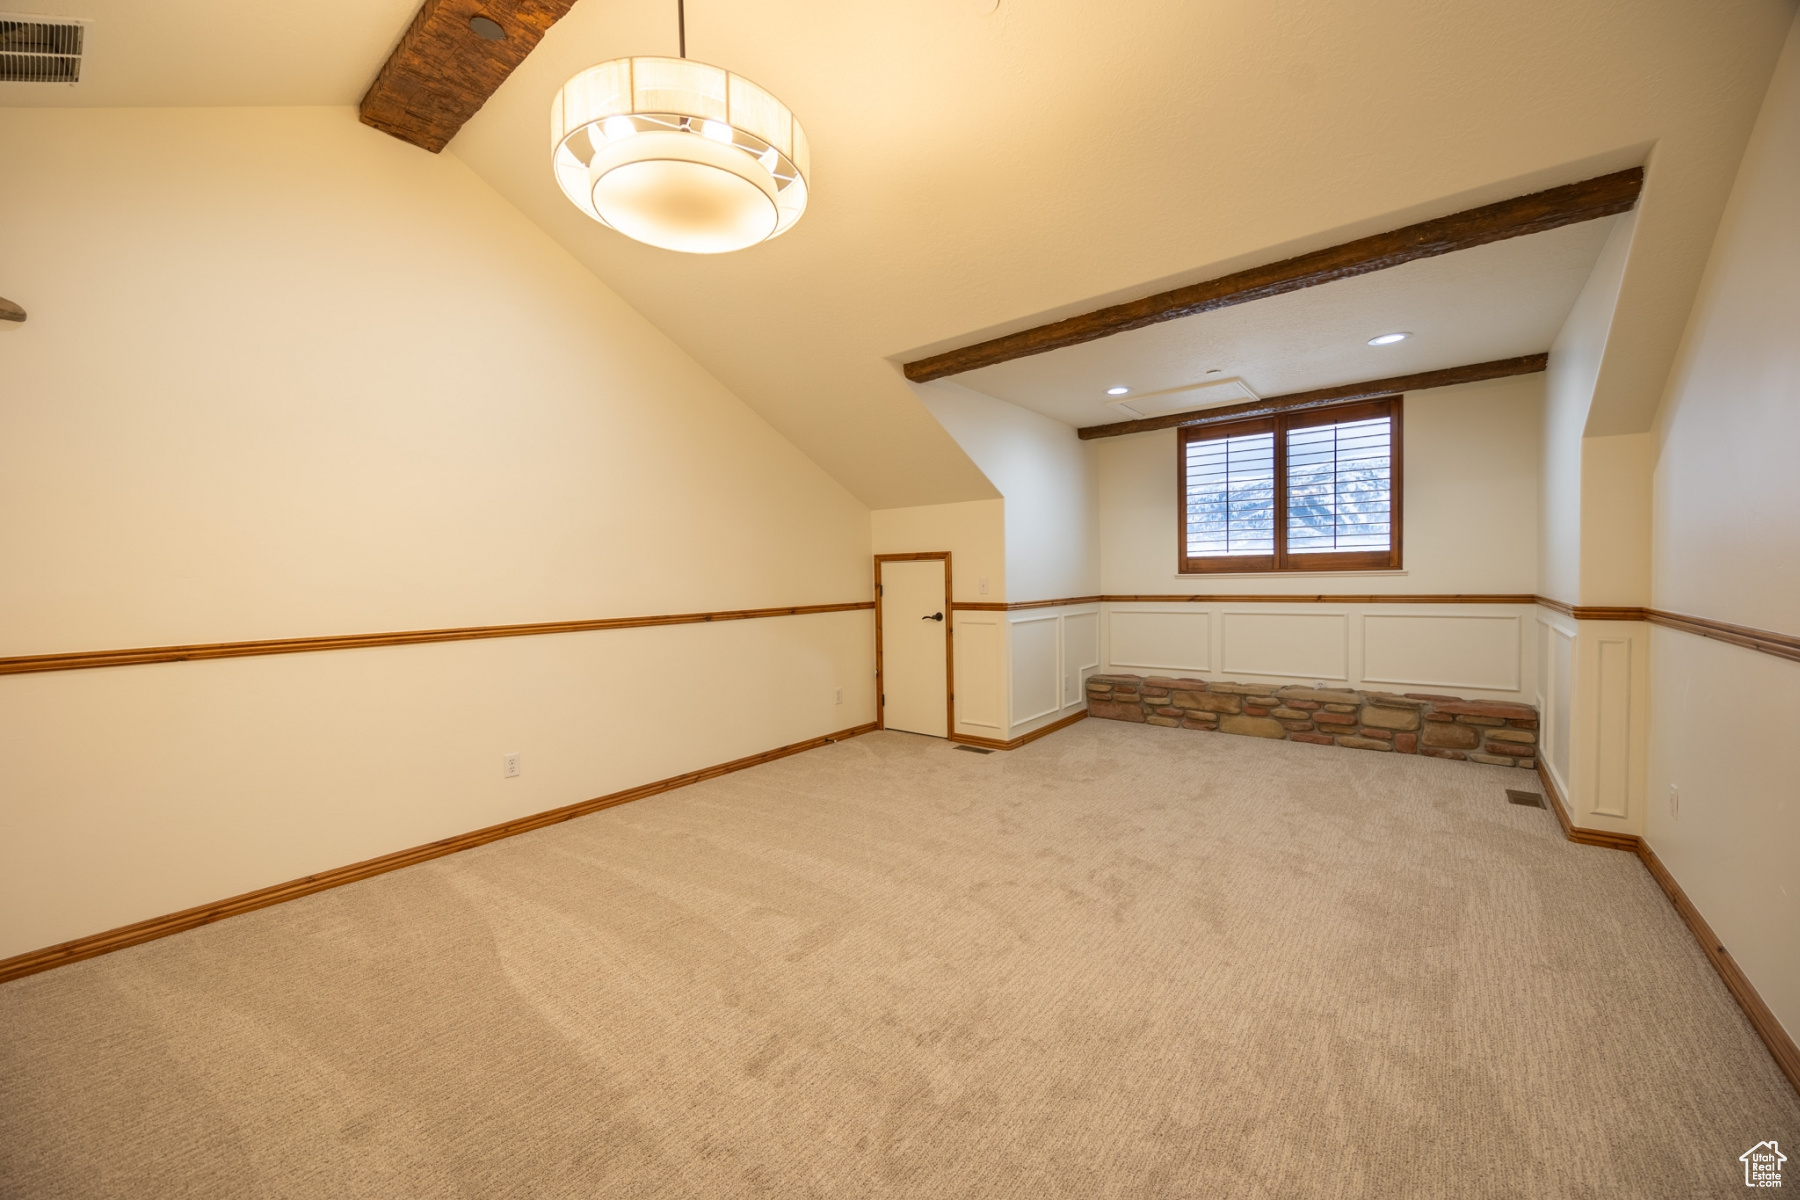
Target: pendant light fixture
column 679, row 154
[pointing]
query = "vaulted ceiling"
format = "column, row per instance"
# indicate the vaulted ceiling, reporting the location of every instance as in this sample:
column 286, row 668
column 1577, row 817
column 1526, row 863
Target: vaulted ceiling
column 980, row 168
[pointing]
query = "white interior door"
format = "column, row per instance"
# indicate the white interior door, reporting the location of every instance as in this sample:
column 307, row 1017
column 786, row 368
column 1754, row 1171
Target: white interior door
column 914, row 630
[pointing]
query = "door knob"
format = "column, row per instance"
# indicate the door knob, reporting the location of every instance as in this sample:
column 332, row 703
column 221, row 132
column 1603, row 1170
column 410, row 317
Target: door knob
column 936, row 616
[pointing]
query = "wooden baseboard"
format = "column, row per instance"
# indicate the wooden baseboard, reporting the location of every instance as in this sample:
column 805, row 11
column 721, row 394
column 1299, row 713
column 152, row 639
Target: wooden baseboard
column 1780, row 1044
column 1576, row 833
column 968, row 739
column 31, row 962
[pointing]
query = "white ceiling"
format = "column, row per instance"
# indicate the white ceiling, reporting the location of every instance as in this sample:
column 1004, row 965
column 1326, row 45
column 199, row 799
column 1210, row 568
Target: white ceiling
column 214, row 53
column 977, row 171
column 981, row 169
column 1495, row 301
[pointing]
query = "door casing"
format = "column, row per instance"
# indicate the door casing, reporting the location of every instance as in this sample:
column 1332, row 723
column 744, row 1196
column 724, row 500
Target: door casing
column 949, row 641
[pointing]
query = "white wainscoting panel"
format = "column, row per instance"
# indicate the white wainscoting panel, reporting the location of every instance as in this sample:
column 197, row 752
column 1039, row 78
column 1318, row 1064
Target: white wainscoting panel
column 1562, row 699
column 1160, row 641
column 1542, row 681
column 1081, row 654
column 1035, row 668
column 1448, row 650
column 978, row 670
column 1612, row 757
column 1309, row 645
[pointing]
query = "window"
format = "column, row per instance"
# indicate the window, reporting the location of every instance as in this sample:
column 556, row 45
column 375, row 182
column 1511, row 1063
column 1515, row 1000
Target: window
column 1311, row 491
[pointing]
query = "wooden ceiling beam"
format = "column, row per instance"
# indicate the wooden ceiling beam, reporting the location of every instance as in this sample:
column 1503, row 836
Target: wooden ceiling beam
column 1322, row 397
column 1604, row 196
column 442, row 71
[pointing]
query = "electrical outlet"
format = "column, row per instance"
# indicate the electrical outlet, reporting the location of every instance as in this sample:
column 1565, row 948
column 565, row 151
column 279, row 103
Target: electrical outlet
column 984, row 590
column 509, row 765
column 1674, row 801
column 837, row 696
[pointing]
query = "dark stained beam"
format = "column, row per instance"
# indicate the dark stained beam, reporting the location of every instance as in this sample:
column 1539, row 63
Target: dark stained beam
column 1604, row 196
column 443, row 71
column 1322, row 397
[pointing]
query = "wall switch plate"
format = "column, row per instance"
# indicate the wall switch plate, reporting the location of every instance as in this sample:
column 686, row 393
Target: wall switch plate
column 509, row 765
column 837, row 696
column 984, row 590
column 1674, row 801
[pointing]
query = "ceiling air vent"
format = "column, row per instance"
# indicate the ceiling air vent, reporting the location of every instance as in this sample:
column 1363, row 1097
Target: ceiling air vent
column 40, row 49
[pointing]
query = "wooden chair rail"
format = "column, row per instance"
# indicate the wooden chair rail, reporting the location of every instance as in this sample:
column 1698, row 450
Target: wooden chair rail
column 83, row 659
column 1763, row 641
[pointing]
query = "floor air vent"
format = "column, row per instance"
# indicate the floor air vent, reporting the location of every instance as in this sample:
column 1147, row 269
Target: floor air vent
column 39, row 49
column 974, row 749
column 1528, row 799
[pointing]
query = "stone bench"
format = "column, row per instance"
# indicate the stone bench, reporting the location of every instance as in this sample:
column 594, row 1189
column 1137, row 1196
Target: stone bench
column 1484, row 731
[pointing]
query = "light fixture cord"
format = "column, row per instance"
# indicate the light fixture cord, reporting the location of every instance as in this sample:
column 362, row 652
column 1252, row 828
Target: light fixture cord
column 681, row 24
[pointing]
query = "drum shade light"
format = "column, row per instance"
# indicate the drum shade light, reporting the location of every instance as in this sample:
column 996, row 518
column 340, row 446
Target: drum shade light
column 679, row 154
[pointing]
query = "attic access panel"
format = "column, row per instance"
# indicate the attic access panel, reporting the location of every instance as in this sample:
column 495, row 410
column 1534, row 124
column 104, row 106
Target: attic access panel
column 1192, row 397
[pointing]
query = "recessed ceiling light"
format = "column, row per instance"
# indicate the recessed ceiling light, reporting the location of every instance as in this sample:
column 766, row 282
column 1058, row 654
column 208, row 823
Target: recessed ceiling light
column 1214, row 371
column 1117, row 391
column 1388, row 339
column 487, row 28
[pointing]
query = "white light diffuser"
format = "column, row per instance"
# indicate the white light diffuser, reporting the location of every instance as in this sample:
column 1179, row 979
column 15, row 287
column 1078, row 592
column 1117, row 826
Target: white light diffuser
column 679, row 154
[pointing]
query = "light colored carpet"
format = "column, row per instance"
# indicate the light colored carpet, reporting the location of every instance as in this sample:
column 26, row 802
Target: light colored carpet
column 1121, row 961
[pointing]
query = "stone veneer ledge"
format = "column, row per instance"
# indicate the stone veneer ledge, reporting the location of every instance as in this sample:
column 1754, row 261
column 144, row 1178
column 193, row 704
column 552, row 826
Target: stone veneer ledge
column 1485, row 731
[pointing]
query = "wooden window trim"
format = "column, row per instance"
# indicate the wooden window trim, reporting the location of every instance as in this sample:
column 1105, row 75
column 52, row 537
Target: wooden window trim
column 1281, row 560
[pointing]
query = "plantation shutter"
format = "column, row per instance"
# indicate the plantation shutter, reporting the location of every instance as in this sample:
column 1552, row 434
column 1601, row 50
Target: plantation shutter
column 1340, row 487
column 1231, row 495
column 1315, row 490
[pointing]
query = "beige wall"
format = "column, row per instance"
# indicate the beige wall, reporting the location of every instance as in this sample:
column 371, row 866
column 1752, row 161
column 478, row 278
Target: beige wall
column 974, row 532
column 1593, row 549
column 1726, row 545
column 1615, row 519
column 135, row 791
column 1575, row 359
column 1016, row 671
column 286, row 376
column 1471, row 496
column 1046, row 475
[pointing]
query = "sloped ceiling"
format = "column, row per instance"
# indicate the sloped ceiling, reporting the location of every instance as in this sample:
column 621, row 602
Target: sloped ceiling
column 979, row 169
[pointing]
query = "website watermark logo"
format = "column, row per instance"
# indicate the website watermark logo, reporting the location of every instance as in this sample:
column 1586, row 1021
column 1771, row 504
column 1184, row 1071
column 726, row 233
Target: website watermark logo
column 1762, row 1165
